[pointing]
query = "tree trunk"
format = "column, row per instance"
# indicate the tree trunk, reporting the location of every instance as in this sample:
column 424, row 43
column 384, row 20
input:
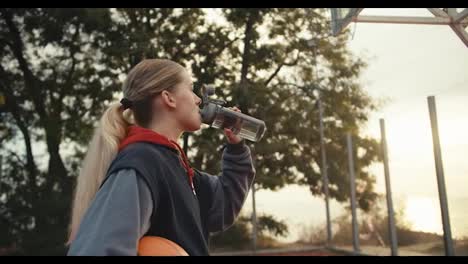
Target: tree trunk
column 12, row 107
column 33, row 85
column 243, row 85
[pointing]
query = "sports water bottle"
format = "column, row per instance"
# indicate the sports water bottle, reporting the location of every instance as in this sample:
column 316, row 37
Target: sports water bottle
column 214, row 113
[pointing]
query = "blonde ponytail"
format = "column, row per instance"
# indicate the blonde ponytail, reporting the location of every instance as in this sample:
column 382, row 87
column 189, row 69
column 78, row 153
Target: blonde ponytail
column 147, row 79
column 102, row 150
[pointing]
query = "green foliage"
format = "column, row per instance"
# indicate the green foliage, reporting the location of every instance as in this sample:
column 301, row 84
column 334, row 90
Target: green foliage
column 279, row 77
column 55, row 84
column 60, row 68
column 239, row 235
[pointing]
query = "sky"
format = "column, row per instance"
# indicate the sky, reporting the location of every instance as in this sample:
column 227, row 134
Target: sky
column 406, row 64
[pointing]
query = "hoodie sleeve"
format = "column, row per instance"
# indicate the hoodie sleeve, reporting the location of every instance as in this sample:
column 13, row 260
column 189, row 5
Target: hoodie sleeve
column 117, row 218
column 223, row 196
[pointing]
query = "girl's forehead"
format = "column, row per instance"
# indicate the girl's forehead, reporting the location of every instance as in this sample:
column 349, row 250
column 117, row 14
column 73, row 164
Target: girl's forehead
column 187, row 76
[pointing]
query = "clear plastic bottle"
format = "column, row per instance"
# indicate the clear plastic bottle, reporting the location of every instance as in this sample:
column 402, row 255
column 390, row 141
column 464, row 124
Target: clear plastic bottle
column 217, row 116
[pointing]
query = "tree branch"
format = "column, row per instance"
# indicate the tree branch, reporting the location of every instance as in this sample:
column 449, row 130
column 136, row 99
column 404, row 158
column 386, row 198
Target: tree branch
column 248, row 36
column 273, row 75
column 73, row 49
column 12, row 105
column 17, row 47
column 149, row 28
column 225, row 47
column 306, row 88
column 68, row 79
column 20, row 160
column 5, row 42
column 246, row 54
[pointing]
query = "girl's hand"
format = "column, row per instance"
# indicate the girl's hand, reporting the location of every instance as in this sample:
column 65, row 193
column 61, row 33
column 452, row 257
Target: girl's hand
column 231, row 137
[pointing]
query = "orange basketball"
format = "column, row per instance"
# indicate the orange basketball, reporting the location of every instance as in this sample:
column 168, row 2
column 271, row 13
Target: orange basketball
column 159, row 246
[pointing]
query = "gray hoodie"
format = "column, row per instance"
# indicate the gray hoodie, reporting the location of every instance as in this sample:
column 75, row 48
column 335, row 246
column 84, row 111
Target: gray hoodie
column 123, row 210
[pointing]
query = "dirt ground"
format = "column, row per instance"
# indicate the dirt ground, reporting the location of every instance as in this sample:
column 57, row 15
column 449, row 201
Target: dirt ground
column 302, row 253
column 426, row 249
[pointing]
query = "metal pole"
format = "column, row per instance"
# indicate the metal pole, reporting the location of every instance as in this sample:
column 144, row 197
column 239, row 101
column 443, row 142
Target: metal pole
column 391, row 219
column 440, row 178
column 254, row 220
column 325, row 174
column 353, row 193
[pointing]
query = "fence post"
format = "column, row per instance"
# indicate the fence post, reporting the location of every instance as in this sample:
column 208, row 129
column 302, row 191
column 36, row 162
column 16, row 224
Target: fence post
column 353, row 193
column 440, row 178
column 325, row 174
column 391, row 219
column 254, row 220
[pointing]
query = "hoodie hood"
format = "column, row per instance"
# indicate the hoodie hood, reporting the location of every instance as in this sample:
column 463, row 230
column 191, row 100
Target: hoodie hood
column 140, row 134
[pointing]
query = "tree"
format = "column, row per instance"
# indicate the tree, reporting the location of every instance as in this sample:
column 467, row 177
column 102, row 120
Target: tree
column 54, row 80
column 278, row 78
column 60, row 68
column 181, row 35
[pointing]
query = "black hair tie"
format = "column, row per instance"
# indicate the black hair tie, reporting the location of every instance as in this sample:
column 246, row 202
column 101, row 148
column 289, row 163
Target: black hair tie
column 126, row 103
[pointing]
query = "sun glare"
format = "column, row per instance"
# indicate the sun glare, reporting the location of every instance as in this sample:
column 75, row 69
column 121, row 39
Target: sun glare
column 423, row 214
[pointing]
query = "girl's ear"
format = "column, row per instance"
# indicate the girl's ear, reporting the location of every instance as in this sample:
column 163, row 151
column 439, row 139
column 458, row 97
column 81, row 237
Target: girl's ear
column 168, row 99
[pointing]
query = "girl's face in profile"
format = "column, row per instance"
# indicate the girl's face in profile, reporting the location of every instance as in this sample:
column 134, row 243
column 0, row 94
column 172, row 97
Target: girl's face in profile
column 187, row 111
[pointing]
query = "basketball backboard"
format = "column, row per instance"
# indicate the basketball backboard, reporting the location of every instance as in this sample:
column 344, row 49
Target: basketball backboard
column 341, row 17
column 456, row 18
